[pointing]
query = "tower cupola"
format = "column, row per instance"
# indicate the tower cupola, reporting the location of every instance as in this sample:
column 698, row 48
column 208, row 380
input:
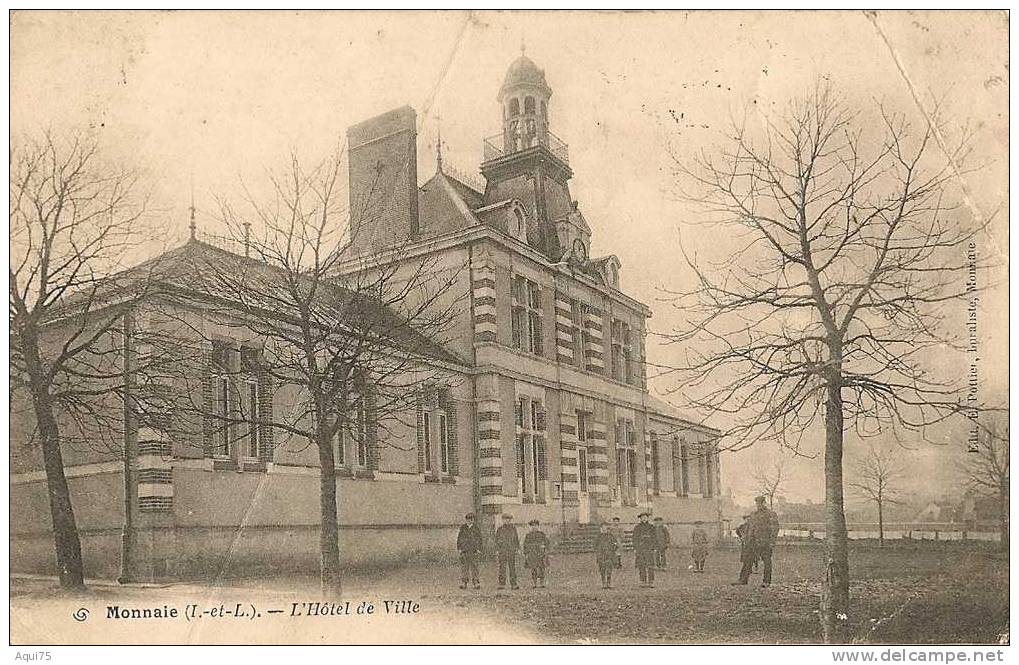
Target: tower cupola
column 524, row 98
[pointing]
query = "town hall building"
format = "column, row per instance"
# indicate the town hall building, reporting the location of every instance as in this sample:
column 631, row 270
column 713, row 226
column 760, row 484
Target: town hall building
column 544, row 414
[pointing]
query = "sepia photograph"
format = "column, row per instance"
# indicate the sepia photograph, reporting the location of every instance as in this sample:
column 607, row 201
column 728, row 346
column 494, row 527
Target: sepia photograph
column 491, row 327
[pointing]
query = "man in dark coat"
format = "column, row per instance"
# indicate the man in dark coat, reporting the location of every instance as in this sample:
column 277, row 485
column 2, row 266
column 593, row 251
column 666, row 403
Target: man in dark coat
column 507, row 544
column 663, row 539
column 536, row 554
column 645, row 547
column 605, row 550
column 468, row 543
column 759, row 541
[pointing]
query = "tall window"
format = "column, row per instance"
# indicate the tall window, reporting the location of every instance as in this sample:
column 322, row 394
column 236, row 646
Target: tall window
column 582, row 467
column 684, row 466
column 655, row 471
column 577, row 332
column 581, row 426
column 626, row 460
column 531, row 463
column 443, row 443
column 427, row 436
column 352, row 436
column 360, row 428
column 526, row 322
column 223, row 402
column 251, row 411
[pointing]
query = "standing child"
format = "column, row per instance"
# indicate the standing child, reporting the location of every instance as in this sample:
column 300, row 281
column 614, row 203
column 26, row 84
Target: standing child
column 617, row 532
column 662, row 540
column 699, row 549
column 605, row 548
column 536, row 554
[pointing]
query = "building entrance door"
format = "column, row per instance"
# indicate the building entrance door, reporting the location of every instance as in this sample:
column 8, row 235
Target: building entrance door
column 583, row 498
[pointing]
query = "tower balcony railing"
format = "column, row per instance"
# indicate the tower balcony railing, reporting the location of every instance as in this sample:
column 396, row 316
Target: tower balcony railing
column 498, row 146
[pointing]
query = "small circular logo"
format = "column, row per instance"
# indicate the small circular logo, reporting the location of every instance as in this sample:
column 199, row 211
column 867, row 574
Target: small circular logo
column 81, row 614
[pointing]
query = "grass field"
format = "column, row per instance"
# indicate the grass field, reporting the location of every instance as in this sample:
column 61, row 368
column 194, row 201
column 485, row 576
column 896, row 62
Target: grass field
column 906, row 593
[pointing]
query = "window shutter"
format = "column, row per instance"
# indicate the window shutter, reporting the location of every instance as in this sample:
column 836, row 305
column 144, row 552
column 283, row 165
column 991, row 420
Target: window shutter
column 541, row 418
column 369, row 425
column 520, row 455
column 542, row 467
column 208, row 402
column 266, row 389
column 517, row 326
column 538, row 335
column 620, row 434
column 421, row 433
column 520, row 413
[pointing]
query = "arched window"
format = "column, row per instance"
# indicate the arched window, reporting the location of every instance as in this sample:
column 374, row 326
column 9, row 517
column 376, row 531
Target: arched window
column 521, row 222
column 514, row 106
column 528, row 104
column 542, row 108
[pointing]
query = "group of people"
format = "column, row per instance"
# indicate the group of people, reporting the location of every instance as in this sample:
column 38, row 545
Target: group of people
column 650, row 544
column 757, row 535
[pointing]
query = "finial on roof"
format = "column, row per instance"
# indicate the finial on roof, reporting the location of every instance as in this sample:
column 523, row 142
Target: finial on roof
column 438, row 143
column 191, row 226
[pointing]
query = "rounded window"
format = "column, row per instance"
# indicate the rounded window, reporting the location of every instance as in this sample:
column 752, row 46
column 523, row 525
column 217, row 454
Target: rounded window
column 528, row 104
column 514, row 106
column 543, row 109
column 520, row 222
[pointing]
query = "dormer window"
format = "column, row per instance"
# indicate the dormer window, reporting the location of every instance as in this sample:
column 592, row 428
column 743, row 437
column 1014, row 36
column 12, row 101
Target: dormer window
column 613, row 275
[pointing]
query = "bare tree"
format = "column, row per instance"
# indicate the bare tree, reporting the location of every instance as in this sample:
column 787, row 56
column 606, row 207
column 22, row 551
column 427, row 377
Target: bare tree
column 877, row 478
column 72, row 219
column 353, row 350
column 770, row 481
column 986, row 468
column 845, row 252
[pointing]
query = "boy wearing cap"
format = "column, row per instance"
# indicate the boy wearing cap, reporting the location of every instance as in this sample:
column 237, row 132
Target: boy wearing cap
column 645, row 546
column 699, row 546
column 507, row 544
column 606, row 548
column 617, row 533
column 468, row 543
column 536, row 554
column 663, row 539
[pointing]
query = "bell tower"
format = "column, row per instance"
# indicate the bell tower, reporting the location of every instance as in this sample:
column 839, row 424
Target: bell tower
column 526, row 162
column 524, row 97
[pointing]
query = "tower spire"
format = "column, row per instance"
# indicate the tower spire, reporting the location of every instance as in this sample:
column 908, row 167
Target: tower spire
column 438, row 143
column 192, row 228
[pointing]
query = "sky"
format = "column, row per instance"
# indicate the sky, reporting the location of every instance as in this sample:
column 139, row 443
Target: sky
column 207, row 100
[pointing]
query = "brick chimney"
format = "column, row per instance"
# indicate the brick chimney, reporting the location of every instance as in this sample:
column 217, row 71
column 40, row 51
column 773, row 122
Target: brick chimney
column 383, row 181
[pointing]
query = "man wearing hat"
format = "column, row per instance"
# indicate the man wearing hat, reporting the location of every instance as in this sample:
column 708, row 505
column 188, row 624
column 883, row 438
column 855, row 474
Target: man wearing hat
column 761, row 532
column 468, row 543
column 536, row 554
column 645, row 547
column 507, row 544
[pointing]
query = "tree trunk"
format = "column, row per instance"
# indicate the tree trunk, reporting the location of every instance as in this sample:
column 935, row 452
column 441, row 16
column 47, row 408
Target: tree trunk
column 880, row 523
column 835, row 592
column 1003, row 516
column 65, row 531
column 329, row 541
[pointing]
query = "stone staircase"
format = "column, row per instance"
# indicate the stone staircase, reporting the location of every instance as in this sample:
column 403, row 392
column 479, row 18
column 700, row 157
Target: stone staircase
column 580, row 538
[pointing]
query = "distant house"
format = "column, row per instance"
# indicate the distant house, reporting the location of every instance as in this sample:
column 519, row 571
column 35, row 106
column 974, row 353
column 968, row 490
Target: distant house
column 937, row 511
